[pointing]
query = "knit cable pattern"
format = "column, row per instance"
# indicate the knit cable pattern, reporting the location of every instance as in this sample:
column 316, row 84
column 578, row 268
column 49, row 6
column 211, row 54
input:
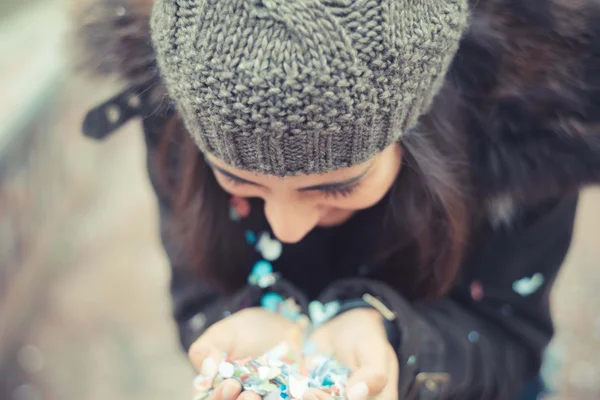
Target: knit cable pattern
column 287, row 87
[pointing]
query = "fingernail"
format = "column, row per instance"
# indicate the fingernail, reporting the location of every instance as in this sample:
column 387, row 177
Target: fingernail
column 360, row 391
column 229, row 392
column 209, row 367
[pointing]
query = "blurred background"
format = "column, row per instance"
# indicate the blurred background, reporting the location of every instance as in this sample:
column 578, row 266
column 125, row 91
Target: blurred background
column 84, row 303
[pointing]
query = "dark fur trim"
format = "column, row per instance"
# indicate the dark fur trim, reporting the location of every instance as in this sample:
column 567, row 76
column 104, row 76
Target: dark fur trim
column 527, row 74
column 530, row 81
column 113, row 39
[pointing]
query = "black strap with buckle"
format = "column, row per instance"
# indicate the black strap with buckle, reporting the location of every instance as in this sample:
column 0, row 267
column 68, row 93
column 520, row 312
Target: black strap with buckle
column 109, row 116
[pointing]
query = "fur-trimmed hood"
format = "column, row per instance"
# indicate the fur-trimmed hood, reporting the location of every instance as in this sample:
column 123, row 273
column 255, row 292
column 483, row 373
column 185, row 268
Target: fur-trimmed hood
column 528, row 73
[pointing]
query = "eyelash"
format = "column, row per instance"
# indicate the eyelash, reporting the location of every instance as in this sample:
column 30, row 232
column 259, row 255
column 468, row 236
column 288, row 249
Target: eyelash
column 234, row 181
column 329, row 193
column 341, row 192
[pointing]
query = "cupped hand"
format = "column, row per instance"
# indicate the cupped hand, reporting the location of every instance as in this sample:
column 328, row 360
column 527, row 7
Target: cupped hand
column 247, row 333
column 357, row 338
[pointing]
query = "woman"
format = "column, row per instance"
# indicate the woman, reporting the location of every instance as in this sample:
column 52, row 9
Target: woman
column 427, row 154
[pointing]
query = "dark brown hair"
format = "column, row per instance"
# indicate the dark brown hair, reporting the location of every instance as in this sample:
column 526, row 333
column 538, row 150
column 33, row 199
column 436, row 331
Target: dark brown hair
column 426, row 221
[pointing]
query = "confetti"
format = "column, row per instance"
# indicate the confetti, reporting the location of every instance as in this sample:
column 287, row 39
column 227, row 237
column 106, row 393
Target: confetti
column 528, row 285
column 289, row 369
column 121, row 11
column 476, row 290
column 241, row 206
column 269, row 248
column 277, row 375
column 233, row 215
column 197, row 322
column 271, row 301
column 226, row 370
column 297, row 386
column 250, row 237
column 262, row 275
column 473, row 336
column 320, row 313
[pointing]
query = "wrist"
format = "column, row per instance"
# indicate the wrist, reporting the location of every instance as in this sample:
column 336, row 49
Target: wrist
column 376, row 309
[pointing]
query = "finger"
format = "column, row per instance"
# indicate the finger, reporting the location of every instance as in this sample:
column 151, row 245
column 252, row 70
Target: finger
column 249, row 396
column 365, row 383
column 206, row 352
column 373, row 353
column 371, row 376
column 315, row 394
column 391, row 390
column 229, row 389
column 205, row 358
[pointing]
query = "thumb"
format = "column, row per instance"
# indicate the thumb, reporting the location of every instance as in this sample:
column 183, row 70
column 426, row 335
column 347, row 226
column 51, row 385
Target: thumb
column 365, row 383
column 370, row 378
column 207, row 352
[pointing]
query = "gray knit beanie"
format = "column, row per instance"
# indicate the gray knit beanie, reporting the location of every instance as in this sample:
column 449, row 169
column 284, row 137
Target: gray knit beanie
column 288, row 87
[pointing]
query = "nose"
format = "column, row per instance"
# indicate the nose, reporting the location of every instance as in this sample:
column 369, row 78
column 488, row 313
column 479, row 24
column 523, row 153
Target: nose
column 290, row 219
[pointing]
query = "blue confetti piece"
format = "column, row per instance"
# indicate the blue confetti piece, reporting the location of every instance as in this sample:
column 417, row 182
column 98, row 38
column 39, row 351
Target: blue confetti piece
column 411, row 360
column 473, row 337
column 271, row 301
column 262, row 268
column 250, row 237
column 233, row 215
column 327, row 382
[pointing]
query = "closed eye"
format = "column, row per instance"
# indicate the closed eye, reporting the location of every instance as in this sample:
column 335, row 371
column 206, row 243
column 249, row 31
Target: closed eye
column 332, row 192
column 236, row 181
column 343, row 191
column 334, row 189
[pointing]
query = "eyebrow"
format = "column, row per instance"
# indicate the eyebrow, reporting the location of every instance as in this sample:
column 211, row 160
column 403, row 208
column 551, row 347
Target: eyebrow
column 332, row 186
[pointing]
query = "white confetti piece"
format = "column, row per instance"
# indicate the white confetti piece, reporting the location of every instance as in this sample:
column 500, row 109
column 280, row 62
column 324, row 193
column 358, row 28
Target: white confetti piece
column 320, row 313
column 270, row 249
column 226, row 370
column 528, row 285
column 197, row 322
column 298, row 387
column 264, row 372
column 274, row 395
